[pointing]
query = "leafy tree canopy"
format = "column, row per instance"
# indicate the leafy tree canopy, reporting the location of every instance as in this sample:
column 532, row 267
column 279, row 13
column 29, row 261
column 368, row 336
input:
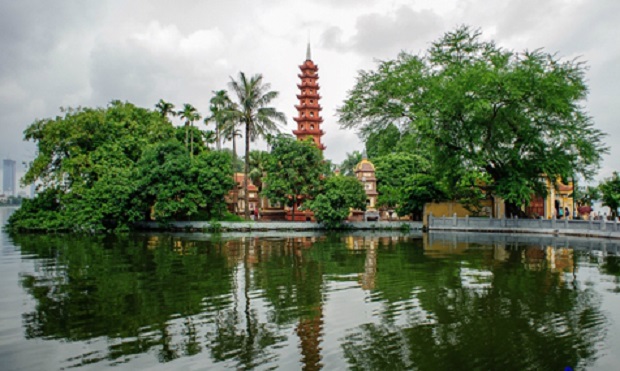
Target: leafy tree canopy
column 340, row 194
column 294, row 170
column 392, row 171
column 610, row 190
column 478, row 107
column 105, row 168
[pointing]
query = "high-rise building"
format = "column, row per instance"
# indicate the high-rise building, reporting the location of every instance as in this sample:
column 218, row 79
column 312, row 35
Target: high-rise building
column 8, row 178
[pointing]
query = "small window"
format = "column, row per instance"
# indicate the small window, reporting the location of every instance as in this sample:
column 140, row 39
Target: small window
column 311, row 101
column 311, row 127
column 311, row 114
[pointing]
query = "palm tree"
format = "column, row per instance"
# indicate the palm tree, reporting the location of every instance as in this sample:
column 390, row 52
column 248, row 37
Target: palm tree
column 189, row 114
column 258, row 161
column 221, row 113
column 209, row 137
column 230, row 132
column 259, row 119
column 165, row 108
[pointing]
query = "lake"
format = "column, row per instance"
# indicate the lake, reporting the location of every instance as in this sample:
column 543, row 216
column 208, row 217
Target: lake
column 307, row 300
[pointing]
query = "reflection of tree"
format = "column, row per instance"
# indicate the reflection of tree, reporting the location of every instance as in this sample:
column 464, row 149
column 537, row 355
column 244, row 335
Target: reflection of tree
column 523, row 320
column 292, row 278
column 239, row 335
column 122, row 288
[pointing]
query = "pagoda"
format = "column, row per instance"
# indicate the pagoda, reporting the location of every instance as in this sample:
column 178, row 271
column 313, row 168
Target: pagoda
column 309, row 110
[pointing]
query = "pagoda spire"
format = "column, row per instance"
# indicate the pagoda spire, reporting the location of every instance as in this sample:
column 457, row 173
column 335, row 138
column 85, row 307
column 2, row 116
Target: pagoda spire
column 309, row 110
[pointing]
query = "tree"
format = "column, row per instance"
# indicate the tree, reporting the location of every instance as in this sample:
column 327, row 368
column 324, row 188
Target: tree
column 392, row 172
column 382, row 142
column 417, row 190
column 339, row 196
column 165, row 108
column 189, row 114
column 254, row 112
column 258, row 163
column 177, row 188
column 347, row 168
column 294, row 171
column 610, row 189
column 222, row 113
column 513, row 116
column 86, row 163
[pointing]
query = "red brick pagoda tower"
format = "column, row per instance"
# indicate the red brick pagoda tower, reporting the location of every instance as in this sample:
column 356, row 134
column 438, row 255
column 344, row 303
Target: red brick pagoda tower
column 308, row 110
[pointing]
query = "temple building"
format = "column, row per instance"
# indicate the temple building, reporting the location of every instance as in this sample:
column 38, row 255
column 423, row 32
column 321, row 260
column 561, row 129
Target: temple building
column 365, row 173
column 309, row 110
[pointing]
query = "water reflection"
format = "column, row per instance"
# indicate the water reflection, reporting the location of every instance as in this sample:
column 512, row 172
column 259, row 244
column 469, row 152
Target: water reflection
column 435, row 302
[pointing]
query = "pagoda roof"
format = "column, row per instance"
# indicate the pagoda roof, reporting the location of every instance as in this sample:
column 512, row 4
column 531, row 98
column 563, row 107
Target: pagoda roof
column 365, row 165
column 308, row 85
column 313, row 106
column 311, row 76
column 309, row 132
column 308, row 95
column 308, row 119
column 309, row 65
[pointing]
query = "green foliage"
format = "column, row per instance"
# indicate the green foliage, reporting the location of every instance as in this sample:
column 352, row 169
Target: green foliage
column 585, row 196
column 477, row 107
column 392, row 171
column 253, row 111
column 294, row 169
column 177, row 187
column 104, row 169
column 418, row 189
column 339, row 196
column 469, row 191
column 610, row 190
column 40, row 214
column 347, row 168
column 258, row 163
column 382, row 142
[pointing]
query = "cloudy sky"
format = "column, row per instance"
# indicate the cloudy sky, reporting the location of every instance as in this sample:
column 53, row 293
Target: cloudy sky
column 87, row 53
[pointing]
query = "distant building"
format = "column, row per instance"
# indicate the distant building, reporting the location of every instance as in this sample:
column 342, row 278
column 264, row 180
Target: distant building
column 9, row 182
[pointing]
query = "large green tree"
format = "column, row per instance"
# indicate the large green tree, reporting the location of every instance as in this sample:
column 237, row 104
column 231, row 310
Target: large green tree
column 339, row 195
column 294, row 171
column 253, row 110
column 478, row 107
column 392, row 172
column 106, row 168
column 177, row 188
column 86, row 163
column 610, row 193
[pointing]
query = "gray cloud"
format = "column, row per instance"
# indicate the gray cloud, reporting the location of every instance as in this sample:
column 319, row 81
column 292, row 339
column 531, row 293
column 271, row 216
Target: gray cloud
column 83, row 53
column 384, row 35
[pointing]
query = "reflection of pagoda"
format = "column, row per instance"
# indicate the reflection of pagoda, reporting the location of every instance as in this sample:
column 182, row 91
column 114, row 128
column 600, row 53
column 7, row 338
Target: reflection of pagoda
column 308, row 110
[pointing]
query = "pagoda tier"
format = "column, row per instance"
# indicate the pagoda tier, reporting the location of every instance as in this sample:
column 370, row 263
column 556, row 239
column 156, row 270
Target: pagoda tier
column 309, row 109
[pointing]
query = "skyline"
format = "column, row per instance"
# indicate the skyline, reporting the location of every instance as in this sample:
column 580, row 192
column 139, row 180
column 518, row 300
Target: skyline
column 65, row 54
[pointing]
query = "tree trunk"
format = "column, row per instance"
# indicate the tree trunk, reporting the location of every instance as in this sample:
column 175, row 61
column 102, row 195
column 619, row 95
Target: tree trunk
column 217, row 136
column 186, row 134
column 246, row 197
column 191, row 142
column 234, row 166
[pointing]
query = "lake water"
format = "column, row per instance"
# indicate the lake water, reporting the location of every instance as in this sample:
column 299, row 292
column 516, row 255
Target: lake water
column 377, row 301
